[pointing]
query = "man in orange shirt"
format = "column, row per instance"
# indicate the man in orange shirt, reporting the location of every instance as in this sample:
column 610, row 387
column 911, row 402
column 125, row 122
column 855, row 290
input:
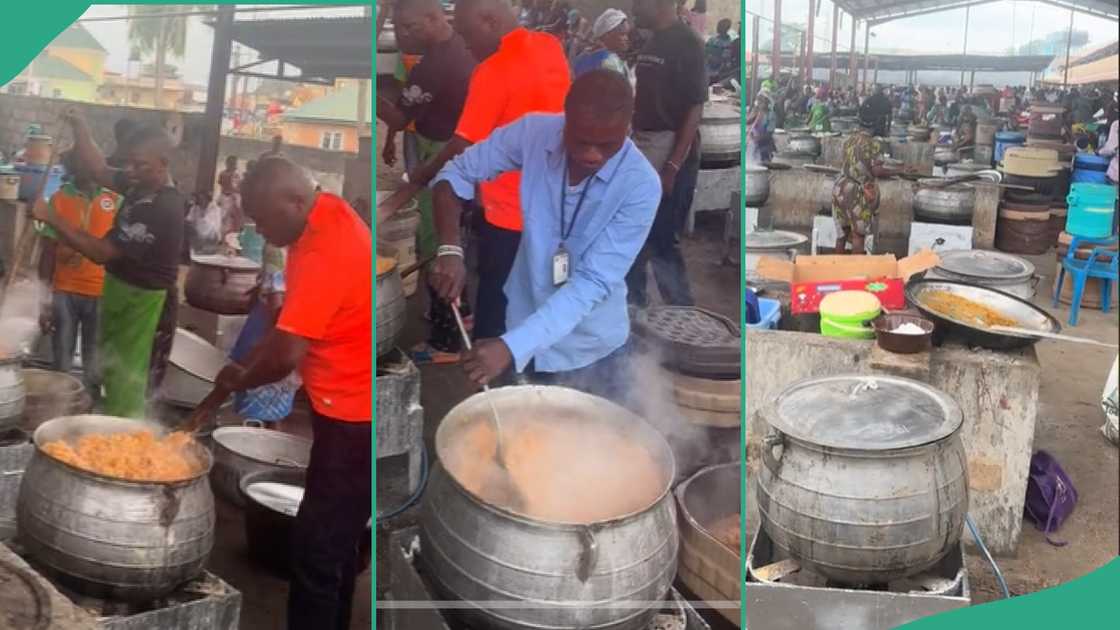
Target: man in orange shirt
column 75, row 280
column 519, row 72
column 325, row 330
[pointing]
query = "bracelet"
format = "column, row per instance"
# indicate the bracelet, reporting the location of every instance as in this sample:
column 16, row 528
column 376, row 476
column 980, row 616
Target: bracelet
column 674, row 165
column 449, row 250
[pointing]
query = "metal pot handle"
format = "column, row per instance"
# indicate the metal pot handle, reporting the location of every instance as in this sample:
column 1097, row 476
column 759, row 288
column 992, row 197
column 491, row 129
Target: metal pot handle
column 256, row 424
column 769, row 442
column 1035, row 279
column 589, row 555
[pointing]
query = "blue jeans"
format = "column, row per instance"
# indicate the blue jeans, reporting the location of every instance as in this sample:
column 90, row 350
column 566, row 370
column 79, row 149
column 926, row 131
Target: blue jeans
column 72, row 312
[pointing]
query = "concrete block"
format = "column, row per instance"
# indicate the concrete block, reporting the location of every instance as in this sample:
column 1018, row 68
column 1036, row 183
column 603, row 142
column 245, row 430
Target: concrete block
column 713, row 192
column 915, row 366
column 984, row 215
column 997, row 392
column 61, row 613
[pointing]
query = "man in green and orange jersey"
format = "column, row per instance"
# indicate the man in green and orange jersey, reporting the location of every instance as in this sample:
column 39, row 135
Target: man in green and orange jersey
column 75, row 280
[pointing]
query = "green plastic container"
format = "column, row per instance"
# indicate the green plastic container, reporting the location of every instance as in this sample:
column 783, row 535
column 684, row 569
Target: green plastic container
column 855, row 326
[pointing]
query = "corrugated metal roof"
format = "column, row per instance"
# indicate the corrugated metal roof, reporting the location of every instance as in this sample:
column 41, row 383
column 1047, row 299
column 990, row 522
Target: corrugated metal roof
column 879, row 11
column 324, row 47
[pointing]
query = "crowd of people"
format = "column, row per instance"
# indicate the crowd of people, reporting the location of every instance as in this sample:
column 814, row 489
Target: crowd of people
column 551, row 303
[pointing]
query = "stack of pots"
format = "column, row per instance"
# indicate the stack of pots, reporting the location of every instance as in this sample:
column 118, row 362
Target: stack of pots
column 864, row 478
column 1092, row 295
column 1034, row 167
column 1023, row 224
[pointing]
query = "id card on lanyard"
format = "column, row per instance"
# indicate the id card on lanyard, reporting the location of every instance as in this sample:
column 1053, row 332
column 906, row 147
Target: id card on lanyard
column 562, row 260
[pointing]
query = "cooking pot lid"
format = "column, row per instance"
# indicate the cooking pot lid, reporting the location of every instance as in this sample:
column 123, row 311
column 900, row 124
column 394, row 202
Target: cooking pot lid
column 985, row 264
column 687, row 325
column 196, row 355
column 875, row 413
column 773, row 239
column 232, row 262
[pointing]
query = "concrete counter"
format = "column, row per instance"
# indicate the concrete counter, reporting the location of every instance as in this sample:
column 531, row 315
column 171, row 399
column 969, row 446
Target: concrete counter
column 997, row 392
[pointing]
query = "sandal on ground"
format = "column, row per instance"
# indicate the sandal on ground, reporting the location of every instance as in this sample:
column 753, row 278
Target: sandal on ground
column 425, row 354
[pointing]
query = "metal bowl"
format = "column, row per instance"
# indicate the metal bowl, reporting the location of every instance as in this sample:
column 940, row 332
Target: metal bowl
column 1028, row 316
column 239, row 451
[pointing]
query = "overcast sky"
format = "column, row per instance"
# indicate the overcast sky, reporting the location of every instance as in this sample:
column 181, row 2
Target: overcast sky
column 195, row 66
column 993, row 28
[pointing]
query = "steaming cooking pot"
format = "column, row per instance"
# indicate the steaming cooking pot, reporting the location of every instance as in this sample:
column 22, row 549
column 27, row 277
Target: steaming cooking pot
column 947, row 203
column 864, row 478
column 108, row 537
column 488, row 555
column 221, row 284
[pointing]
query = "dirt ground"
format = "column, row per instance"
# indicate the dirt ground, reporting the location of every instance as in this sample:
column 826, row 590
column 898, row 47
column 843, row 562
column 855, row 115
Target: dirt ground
column 1069, row 420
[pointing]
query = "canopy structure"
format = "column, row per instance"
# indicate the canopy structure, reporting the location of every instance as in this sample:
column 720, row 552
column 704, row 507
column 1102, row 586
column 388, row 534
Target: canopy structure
column 1098, row 66
column 323, row 49
column 979, row 63
column 880, row 11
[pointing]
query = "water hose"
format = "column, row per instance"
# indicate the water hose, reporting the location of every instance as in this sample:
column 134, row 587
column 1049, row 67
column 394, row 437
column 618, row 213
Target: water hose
column 987, row 555
column 397, row 511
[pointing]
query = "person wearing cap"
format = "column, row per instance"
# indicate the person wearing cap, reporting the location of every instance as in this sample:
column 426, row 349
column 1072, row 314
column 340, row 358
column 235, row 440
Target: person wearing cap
column 855, row 195
column 611, row 34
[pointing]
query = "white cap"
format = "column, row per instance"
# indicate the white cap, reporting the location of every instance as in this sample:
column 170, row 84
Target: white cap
column 607, row 22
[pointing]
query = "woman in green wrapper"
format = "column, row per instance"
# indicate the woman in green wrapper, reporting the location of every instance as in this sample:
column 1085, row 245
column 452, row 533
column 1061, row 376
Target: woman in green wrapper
column 141, row 258
column 819, row 112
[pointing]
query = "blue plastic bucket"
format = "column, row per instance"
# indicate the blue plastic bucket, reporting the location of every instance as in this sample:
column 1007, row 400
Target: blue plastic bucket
column 1005, row 140
column 1089, row 168
column 1091, row 210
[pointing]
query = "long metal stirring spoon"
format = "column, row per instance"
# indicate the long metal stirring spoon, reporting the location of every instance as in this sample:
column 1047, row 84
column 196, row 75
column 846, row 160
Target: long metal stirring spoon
column 499, row 455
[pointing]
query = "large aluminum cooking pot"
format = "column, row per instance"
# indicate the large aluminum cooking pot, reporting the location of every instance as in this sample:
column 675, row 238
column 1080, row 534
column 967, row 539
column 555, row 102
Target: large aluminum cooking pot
column 757, row 185
column 221, row 284
column 107, row 537
column 390, row 303
column 946, row 203
column 570, row 576
column 1005, row 272
column 864, row 478
column 192, row 369
column 707, row 566
column 761, row 244
column 719, row 135
column 805, row 145
column 13, row 392
column 52, row 394
column 239, row 451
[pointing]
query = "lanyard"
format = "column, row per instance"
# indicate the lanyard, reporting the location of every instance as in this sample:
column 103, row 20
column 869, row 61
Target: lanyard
column 563, row 199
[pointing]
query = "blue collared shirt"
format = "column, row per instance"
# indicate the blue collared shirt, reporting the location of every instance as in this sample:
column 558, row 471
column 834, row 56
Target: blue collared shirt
column 585, row 319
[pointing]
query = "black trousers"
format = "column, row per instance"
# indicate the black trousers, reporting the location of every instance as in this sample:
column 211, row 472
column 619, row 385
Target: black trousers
column 496, row 250
column 329, row 527
column 608, row 378
column 662, row 250
column 165, row 337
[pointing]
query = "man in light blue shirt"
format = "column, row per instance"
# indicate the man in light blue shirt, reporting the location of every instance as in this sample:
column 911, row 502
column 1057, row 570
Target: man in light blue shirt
column 589, row 197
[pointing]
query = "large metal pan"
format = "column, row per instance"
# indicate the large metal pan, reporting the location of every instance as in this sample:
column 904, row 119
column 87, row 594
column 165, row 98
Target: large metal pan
column 1028, row 315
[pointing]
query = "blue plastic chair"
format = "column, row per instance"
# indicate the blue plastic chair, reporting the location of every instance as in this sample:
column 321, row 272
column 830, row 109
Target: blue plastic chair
column 1101, row 263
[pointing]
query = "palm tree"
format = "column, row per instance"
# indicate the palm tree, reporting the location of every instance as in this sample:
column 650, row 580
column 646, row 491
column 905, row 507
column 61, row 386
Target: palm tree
column 150, row 33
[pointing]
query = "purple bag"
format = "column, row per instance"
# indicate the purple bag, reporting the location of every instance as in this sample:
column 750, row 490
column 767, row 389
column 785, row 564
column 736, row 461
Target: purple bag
column 1051, row 496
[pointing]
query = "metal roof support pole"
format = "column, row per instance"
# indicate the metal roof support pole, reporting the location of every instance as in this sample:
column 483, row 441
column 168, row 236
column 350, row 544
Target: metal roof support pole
column 1069, row 42
column 776, row 51
column 809, row 41
column 964, row 53
column 755, row 82
column 852, row 54
column 215, row 100
column 971, row 80
column 835, row 24
column 866, row 49
column 875, row 77
column 801, row 58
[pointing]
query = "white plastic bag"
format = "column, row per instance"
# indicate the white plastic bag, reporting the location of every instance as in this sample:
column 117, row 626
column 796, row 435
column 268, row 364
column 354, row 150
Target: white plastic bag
column 1109, row 403
column 207, row 225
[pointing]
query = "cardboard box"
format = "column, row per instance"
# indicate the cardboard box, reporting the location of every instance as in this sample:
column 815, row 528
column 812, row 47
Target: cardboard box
column 812, row 277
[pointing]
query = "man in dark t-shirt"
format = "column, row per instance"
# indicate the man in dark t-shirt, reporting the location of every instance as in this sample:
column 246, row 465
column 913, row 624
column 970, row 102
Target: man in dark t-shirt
column 669, row 100
column 878, row 109
column 141, row 258
column 432, row 97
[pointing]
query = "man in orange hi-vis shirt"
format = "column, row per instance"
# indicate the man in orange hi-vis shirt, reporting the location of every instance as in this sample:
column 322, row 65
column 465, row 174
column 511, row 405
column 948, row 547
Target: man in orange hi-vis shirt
column 324, row 330
column 519, row 71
